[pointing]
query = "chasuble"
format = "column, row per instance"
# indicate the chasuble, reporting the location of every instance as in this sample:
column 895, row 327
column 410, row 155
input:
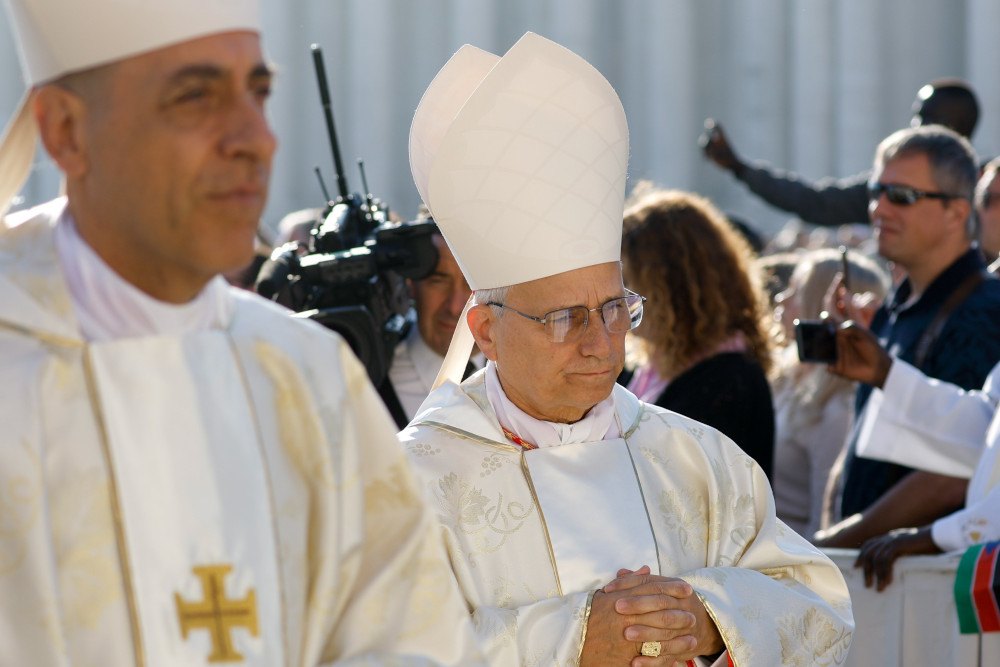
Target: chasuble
column 532, row 533
column 234, row 495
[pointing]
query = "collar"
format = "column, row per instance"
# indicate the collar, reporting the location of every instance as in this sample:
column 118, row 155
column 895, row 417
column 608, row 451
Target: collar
column 938, row 291
column 598, row 424
column 426, row 361
column 108, row 307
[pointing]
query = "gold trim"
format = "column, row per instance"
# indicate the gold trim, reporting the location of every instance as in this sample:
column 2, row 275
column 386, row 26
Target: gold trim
column 48, row 339
column 718, row 626
column 645, row 505
column 586, row 624
column 506, row 446
column 133, row 612
column 270, row 491
column 541, row 517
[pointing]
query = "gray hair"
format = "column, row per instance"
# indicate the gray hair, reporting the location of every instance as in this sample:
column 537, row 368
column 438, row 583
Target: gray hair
column 494, row 295
column 952, row 159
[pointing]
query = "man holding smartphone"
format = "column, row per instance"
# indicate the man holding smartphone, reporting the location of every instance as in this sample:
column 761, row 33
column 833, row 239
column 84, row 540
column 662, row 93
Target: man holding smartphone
column 944, row 318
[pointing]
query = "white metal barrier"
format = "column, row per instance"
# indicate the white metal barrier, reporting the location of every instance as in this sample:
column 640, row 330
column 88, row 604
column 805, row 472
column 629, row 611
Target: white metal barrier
column 913, row 622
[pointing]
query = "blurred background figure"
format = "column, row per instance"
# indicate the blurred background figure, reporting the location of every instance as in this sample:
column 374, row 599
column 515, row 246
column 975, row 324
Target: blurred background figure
column 704, row 346
column 987, row 201
column 949, row 102
column 438, row 300
column 776, row 271
column 813, row 408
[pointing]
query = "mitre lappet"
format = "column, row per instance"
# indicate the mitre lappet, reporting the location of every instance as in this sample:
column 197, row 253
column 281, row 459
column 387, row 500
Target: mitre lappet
column 59, row 37
column 522, row 161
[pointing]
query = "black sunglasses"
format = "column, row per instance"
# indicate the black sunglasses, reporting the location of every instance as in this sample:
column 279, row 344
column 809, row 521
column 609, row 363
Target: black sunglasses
column 904, row 195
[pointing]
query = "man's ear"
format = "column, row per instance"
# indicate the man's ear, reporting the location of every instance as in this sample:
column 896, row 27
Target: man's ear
column 958, row 212
column 61, row 115
column 482, row 322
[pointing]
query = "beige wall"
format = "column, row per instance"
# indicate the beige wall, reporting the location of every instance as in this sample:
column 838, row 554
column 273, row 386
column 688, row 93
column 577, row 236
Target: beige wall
column 809, row 85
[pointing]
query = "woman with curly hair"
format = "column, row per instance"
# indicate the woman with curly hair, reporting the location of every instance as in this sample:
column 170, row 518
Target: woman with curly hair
column 704, row 345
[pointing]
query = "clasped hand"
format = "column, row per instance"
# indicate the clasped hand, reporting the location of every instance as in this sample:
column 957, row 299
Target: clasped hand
column 640, row 607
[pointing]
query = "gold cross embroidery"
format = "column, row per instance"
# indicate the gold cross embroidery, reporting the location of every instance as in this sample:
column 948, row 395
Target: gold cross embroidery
column 216, row 613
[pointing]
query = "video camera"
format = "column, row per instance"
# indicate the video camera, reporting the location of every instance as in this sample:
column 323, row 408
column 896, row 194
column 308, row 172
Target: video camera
column 353, row 277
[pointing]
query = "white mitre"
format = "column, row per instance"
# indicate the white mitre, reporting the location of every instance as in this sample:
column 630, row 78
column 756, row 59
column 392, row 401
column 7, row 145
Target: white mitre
column 522, row 161
column 58, row 37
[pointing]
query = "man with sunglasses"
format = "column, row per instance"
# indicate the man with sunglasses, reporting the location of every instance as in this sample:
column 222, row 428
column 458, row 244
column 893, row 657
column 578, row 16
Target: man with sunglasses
column 944, row 318
column 584, row 526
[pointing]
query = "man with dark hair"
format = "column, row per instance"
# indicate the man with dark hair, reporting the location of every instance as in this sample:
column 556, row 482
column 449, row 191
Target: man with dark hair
column 944, row 318
column 949, row 102
column 187, row 474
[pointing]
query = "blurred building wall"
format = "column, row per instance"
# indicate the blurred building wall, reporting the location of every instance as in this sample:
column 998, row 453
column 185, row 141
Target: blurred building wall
column 808, row 85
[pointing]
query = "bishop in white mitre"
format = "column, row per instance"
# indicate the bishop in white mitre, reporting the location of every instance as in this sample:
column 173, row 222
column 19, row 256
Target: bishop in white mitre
column 554, row 487
column 188, row 481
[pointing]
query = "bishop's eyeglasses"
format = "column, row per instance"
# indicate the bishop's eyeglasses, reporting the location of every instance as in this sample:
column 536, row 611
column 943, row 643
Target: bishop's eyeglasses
column 567, row 325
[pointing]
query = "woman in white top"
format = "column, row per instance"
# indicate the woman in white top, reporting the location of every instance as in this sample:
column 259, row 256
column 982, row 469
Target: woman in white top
column 813, row 408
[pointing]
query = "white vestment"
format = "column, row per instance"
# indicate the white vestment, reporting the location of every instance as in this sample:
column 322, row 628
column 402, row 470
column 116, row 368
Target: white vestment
column 229, row 493
column 532, row 534
column 921, row 422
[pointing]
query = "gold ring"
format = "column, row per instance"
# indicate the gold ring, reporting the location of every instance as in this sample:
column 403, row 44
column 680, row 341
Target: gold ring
column 651, row 649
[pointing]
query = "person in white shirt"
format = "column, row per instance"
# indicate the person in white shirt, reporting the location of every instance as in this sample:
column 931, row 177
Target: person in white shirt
column 932, row 425
column 188, row 475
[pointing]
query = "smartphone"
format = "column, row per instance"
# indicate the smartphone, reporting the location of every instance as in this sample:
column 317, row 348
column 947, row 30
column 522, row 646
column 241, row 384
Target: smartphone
column 845, row 281
column 816, row 340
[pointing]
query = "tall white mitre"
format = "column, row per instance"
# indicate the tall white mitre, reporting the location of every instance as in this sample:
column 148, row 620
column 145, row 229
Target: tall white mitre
column 522, row 161
column 58, row 37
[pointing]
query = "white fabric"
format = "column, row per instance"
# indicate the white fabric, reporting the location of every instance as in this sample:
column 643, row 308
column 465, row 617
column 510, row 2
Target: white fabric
column 51, row 42
column 924, row 423
column 170, row 482
column 125, row 465
column 528, row 178
column 776, row 599
column 586, row 530
column 809, row 435
column 414, row 367
column 108, row 307
column 598, row 424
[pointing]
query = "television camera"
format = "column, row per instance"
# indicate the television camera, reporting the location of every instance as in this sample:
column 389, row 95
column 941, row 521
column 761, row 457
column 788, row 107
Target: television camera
column 352, row 278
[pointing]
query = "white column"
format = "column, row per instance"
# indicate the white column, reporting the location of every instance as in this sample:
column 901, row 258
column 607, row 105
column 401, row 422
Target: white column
column 811, row 89
column 982, row 52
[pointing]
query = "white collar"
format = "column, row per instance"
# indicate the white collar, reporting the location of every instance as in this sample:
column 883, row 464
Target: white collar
column 109, row 308
column 598, row 424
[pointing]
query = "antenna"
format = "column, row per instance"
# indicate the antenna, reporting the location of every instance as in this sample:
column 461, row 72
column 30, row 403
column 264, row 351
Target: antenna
column 364, row 184
column 322, row 185
column 324, row 96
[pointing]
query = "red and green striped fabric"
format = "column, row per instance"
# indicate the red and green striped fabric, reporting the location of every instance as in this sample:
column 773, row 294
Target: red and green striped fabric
column 977, row 589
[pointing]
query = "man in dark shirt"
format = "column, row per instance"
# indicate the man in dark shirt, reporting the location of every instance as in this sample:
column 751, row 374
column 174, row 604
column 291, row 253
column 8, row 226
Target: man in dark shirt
column 948, row 102
column 944, row 317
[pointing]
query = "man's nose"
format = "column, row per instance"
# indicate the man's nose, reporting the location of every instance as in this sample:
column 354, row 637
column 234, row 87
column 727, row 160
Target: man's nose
column 596, row 339
column 250, row 133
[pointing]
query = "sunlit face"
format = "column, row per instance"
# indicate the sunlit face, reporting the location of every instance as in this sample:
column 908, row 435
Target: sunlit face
column 178, row 162
column 989, row 214
column 439, row 299
column 556, row 382
column 907, row 234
